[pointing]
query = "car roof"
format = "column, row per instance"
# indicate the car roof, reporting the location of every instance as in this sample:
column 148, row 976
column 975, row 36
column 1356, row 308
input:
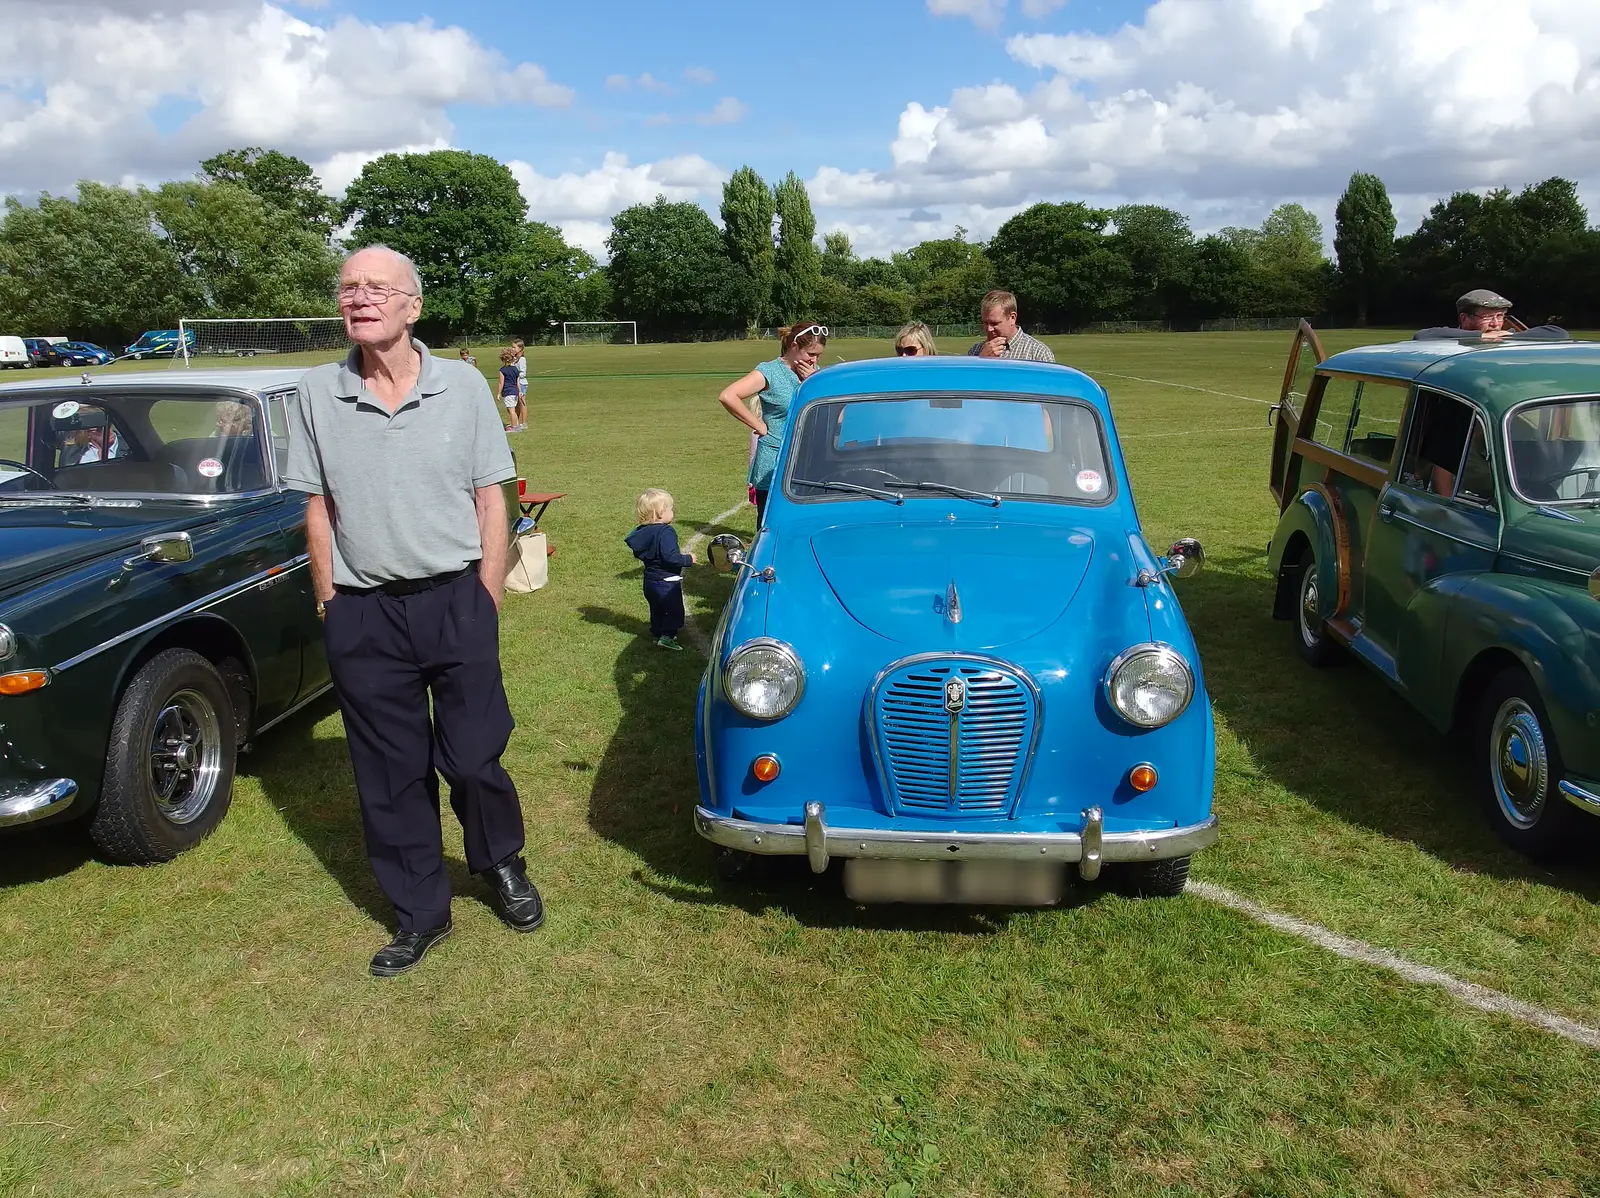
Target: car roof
column 952, row 372
column 1495, row 375
column 256, row 379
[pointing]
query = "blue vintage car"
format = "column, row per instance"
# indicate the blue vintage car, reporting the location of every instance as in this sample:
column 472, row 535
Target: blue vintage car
column 951, row 659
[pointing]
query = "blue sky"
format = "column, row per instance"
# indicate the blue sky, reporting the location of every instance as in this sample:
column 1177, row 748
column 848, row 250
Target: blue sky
column 905, row 117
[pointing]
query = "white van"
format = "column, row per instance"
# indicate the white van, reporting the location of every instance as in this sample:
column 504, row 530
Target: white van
column 13, row 352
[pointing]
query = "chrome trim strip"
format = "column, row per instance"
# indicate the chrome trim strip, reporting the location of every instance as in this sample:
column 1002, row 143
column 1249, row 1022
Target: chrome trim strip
column 905, row 845
column 29, row 801
column 281, row 716
column 1543, row 565
column 227, row 592
column 1580, row 797
column 870, row 703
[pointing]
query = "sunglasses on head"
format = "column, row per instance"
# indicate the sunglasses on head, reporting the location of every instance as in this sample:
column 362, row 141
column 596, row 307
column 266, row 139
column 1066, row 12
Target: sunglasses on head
column 819, row 330
column 907, row 351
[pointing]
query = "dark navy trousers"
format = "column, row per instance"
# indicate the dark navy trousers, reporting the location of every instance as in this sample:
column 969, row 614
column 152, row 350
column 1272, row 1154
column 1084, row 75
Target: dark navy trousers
column 387, row 654
column 666, row 607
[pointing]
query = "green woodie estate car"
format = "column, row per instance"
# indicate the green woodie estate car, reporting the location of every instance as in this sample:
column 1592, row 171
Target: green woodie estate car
column 1440, row 521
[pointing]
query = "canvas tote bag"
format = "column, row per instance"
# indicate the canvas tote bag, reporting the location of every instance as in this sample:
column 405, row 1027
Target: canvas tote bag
column 527, row 563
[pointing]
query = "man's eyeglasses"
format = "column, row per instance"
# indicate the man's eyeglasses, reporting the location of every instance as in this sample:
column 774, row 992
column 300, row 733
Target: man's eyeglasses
column 907, row 351
column 377, row 293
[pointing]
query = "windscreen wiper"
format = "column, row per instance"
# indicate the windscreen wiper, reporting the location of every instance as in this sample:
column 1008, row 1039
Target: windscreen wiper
column 37, row 497
column 830, row 485
column 951, row 489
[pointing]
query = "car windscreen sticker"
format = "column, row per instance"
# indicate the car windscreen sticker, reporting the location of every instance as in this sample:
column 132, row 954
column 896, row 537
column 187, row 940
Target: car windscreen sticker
column 66, row 410
column 1089, row 481
column 209, row 467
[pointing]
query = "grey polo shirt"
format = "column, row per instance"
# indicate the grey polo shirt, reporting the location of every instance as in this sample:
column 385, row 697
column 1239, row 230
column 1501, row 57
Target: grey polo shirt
column 402, row 485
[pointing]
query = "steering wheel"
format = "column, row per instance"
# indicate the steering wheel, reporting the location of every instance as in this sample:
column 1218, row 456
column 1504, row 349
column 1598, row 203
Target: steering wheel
column 1591, row 472
column 30, row 470
column 844, row 475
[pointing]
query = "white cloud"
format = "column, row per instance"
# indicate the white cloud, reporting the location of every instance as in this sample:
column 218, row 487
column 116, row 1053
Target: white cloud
column 984, row 13
column 582, row 204
column 645, row 82
column 1225, row 107
column 728, row 111
column 1040, row 8
column 702, row 75
column 80, row 102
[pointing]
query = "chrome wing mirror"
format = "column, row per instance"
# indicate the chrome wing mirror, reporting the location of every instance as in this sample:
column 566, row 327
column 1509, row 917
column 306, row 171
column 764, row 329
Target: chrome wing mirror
column 169, row 549
column 727, row 553
column 1184, row 559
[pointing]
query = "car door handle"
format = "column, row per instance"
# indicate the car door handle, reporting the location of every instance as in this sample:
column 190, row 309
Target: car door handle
column 1386, row 512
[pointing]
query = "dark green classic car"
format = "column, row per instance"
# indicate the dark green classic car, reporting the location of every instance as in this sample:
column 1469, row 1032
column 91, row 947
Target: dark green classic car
column 1441, row 522
column 155, row 606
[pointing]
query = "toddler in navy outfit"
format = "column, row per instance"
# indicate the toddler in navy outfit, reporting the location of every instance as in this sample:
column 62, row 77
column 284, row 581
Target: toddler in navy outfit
column 656, row 545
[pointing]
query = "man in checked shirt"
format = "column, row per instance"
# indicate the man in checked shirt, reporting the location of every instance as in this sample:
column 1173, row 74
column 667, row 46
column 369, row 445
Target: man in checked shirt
column 1001, row 336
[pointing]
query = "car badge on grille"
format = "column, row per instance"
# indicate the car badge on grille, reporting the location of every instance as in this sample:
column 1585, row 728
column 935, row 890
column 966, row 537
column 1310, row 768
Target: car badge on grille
column 955, row 696
column 952, row 604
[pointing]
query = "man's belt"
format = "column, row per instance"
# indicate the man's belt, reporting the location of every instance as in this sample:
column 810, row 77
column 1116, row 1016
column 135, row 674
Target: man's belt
column 411, row 586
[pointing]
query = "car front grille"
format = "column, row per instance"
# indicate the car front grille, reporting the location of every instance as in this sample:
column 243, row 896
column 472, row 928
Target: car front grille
column 954, row 736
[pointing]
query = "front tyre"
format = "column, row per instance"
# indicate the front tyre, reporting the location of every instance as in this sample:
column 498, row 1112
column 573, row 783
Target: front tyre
column 1518, row 769
column 169, row 767
column 1311, row 628
column 1151, row 879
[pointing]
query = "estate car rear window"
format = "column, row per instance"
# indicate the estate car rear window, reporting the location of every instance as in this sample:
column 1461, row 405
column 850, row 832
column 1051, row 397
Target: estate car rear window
column 1048, row 450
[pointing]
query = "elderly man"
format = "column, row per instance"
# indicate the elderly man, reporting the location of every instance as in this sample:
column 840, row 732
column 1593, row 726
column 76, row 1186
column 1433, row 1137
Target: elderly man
column 1001, row 336
column 1481, row 313
column 402, row 456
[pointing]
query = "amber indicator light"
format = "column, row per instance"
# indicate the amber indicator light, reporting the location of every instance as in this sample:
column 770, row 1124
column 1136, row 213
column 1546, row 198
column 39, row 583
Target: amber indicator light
column 765, row 767
column 23, row 681
column 1142, row 777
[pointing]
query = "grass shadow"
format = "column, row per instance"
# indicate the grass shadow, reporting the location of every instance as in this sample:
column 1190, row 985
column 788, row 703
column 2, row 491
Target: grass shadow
column 645, row 788
column 39, row 854
column 1341, row 738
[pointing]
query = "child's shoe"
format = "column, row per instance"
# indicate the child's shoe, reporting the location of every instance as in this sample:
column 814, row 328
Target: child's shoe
column 669, row 642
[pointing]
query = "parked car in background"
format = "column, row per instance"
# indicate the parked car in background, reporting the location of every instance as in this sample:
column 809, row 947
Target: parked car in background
column 1441, row 523
column 14, row 353
column 951, row 659
column 82, row 353
column 159, row 343
column 41, row 352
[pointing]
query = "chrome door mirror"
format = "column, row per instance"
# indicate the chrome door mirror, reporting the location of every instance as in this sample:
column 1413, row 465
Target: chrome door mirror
column 1594, row 583
column 1186, row 558
column 727, row 552
column 172, row 548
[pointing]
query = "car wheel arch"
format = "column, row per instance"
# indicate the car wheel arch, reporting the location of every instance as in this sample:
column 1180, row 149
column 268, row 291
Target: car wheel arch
column 1477, row 677
column 220, row 643
column 1284, row 601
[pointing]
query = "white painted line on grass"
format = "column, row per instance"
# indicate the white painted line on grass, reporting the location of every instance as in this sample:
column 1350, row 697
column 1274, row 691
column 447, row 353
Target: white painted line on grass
column 1199, row 432
column 1266, row 403
column 699, row 539
column 1474, row 995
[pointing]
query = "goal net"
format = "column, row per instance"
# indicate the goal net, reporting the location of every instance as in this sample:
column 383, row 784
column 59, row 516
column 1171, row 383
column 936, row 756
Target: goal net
column 311, row 339
column 599, row 332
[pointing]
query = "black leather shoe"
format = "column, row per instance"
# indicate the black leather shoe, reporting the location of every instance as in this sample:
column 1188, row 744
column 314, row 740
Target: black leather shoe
column 512, row 896
column 406, row 950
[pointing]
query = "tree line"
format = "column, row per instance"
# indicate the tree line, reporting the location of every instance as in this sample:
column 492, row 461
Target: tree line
column 254, row 234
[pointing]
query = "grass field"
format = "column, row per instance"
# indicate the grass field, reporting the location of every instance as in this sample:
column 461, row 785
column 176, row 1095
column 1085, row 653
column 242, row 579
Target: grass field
column 208, row 1028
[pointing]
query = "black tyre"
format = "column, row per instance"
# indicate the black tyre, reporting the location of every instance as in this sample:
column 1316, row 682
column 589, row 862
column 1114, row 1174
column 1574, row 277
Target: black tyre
column 1310, row 629
column 1151, row 879
column 169, row 767
column 1518, row 769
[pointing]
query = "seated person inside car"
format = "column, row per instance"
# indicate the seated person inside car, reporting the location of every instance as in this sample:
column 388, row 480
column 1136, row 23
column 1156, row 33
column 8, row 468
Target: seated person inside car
column 1481, row 314
column 1447, row 454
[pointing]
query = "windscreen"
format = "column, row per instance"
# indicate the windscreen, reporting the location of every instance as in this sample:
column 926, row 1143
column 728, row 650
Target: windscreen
column 1555, row 451
column 1008, row 448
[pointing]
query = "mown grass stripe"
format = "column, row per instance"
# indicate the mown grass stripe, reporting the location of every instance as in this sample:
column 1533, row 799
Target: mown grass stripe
column 1474, row 995
column 1266, row 403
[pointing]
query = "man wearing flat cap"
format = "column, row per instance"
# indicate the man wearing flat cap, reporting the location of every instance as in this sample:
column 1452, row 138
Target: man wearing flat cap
column 1481, row 314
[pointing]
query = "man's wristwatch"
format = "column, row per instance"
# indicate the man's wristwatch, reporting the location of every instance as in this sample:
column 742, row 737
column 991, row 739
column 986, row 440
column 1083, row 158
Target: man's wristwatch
column 322, row 609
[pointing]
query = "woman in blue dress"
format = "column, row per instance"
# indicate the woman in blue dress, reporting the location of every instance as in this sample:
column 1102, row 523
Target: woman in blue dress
column 775, row 382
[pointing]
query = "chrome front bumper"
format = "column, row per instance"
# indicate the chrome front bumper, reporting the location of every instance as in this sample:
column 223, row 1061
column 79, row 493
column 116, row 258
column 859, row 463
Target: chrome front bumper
column 820, row 843
column 1584, row 798
column 25, row 802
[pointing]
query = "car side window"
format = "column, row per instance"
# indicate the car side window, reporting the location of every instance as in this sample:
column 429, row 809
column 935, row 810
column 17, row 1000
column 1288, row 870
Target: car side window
column 1476, row 484
column 1376, row 428
column 1333, row 413
column 1437, row 452
column 278, row 411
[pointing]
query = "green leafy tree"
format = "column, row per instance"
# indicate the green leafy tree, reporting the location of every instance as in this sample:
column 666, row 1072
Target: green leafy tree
column 457, row 215
column 1220, row 274
column 1158, row 247
column 1363, row 239
column 93, row 267
column 747, row 213
column 1057, row 260
column 797, row 262
column 242, row 256
column 839, row 259
column 282, row 180
column 670, row 272
column 543, row 281
column 1291, row 275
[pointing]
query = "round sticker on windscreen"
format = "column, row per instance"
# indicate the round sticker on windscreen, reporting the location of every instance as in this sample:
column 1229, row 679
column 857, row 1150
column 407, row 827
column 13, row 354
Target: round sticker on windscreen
column 1090, row 481
column 66, row 410
column 209, row 467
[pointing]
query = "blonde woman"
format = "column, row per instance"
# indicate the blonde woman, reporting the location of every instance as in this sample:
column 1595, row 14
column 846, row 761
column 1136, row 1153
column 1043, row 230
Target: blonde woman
column 915, row 340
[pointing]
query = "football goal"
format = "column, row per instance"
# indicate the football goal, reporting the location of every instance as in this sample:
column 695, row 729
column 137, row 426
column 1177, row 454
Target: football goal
column 599, row 332
column 321, row 337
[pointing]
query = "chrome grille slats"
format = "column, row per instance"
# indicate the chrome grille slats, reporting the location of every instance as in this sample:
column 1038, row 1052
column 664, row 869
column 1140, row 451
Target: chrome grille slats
column 993, row 733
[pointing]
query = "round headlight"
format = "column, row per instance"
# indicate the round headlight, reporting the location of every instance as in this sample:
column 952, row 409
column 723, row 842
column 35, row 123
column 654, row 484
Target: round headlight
column 8, row 642
column 763, row 679
column 1150, row 685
